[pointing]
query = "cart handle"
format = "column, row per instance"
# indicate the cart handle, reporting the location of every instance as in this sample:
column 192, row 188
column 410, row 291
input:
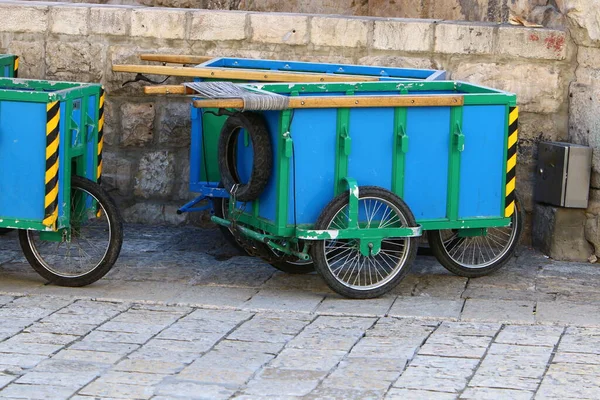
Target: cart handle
column 347, row 102
column 175, row 58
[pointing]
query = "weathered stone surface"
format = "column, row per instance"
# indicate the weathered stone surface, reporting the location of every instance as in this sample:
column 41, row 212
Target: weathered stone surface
column 117, row 173
column 69, row 20
column 30, row 52
column 584, row 124
column 559, row 233
column 155, row 176
column 457, row 38
column 398, row 62
column 114, row 21
column 77, row 61
column 24, row 18
column 507, row 311
column 584, row 20
column 471, row 10
column 175, row 125
column 137, row 123
column 403, row 35
column 404, row 9
column 280, row 28
column 592, row 233
column 158, row 23
column 532, row 43
column 538, row 88
column 214, row 25
column 343, row 32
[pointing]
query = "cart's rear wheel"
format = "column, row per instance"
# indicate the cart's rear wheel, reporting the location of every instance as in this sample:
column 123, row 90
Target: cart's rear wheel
column 289, row 263
column 478, row 255
column 96, row 239
column 221, row 209
column 340, row 262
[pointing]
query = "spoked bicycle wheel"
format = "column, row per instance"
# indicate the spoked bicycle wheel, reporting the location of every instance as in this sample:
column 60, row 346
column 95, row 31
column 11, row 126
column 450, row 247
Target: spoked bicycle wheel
column 95, row 240
column 339, row 261
column 478, row 255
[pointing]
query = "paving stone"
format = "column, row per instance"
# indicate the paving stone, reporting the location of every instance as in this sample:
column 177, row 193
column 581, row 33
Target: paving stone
column 71, row 366
column 468, row 329
column 235, row 346
column 25, row 361
column 402, row 328
column 232, row 360
column 192, row 389
column 307, row 359
column 268, row 329
column 505, row 382
column 323, row 392
column 444, row 286
column 496, row 293
column 366, row 307
column 12, row 346
column 217, row 296
column 576, row 358
column 363, row 374
column 409, row 394
column 418, row 379
column 6, row 379
column 131, row 378
column 44, row 338
column 568, row 313
column 566, row 385
column 60, row 328
column 193, row 330
column 119, row 337
column 505, row 311
column 455, row 346
column 529, row 335
column 493, row 394
column 324, row 341
column 446, row 363
column 127, row 327
column 149, row 366
column 67, row 379
column 382, row 347
column 297, row 301
column 117, row 390
column 426, row 307
column 108, row 347
column 90, row 356
column 37, row 392
column 576, row 369
column 288, row 382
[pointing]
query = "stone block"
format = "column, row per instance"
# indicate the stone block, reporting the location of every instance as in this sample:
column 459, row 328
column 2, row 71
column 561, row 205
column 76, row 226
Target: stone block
column 155, row 175
column 340, row 32
column 538, row 87
column 117, row 174
column 69, row 20
column 215, row 25
column 113, row 21
column 404, row 9
column 403, row 35
column 584, row 124
column 158, row 23
column 592, row 233
column 399, row 62
column 30, row 52
column 76, row 61
column 344, row 7
column 584, row 20
column 21, row 18
column 559, row 233
column 279, row 28
column 537, row 43
column 464, row 38
column 457, row 10
column 175, row 124
column 137, row 123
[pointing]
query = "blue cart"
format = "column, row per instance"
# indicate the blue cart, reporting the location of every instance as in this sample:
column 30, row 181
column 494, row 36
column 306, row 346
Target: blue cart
column 345, row 177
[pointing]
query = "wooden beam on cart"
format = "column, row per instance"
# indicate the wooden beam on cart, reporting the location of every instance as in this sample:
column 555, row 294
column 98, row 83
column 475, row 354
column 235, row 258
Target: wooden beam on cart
column 168, row 89
column 346, row 102
column 240, row 74
column 175, row 58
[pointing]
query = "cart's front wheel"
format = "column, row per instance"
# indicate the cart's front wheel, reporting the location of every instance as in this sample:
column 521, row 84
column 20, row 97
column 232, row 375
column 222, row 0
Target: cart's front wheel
column 340, row 261
column 477, row 255
column 95, row 239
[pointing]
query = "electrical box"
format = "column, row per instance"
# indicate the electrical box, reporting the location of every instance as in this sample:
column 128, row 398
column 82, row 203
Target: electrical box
column 563, row 174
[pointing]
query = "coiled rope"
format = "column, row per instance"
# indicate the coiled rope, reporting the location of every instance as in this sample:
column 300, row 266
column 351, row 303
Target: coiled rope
column 254, row 99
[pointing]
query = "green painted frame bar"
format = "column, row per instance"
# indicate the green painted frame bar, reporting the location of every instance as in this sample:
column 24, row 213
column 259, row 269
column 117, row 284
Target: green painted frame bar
column 343, row 149
column 400, row 147
column 456, row 147
column 429, row 225
column 358, row 233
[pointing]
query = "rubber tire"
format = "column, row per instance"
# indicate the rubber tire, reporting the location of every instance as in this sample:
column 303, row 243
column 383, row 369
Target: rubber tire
column 4, row 230
column 256, row 128
column 285, row 264
column 323, row 222
column 220, row 204
column 114, row 246
column 439, row 251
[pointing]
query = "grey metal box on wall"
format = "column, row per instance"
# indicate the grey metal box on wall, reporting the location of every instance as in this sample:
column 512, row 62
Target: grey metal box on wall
column 563, row 174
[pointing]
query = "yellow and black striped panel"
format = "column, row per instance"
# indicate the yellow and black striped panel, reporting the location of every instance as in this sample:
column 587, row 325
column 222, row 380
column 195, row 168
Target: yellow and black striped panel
column 511, row 161
column 52, row 141
column 100, row 134
column 16, row 68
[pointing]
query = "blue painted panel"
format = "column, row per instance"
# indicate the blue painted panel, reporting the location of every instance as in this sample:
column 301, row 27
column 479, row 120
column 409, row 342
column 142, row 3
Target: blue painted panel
column 22, row 160
column 297, row 66
column 426, row 171
column 314, row 134
column 195, row 147
column 372, row 136
column 482, row 162
column 268, row 198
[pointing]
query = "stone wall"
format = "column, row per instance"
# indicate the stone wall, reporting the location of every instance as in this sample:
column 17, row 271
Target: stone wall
column 540, row 11
column 146, row 161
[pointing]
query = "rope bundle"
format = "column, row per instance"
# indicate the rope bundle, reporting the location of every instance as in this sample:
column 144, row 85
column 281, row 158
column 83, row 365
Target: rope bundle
column 254, row 99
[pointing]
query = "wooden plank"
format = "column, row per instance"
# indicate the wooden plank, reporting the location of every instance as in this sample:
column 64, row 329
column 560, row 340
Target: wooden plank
column 167, row 89
column 347, row 102
column 175, row 58
column 240, row 74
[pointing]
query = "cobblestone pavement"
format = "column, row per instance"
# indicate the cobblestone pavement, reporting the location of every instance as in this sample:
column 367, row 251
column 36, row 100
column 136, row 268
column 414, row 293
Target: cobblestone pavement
column 183, row 316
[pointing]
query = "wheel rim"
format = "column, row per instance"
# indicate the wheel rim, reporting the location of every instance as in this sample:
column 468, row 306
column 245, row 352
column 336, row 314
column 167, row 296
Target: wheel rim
column 480, row 251
column 90, row 238
column 344, row 259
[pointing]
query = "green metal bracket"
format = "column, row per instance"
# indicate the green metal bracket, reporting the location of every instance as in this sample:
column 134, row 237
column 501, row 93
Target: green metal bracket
column 352, row 202
column 346, row 141
column 288, row 145
column 58, row 236
column 459, row 138
column 403, row 139
column 464, row 233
